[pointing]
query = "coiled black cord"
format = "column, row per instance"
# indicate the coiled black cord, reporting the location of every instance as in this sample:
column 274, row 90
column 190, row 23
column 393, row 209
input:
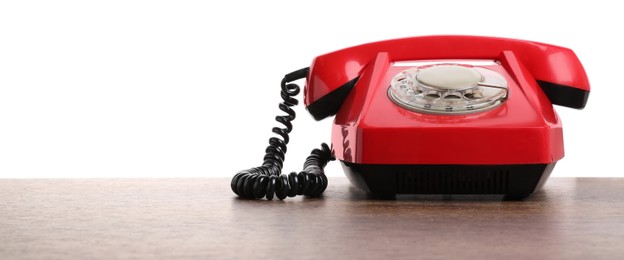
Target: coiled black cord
column 267, row 180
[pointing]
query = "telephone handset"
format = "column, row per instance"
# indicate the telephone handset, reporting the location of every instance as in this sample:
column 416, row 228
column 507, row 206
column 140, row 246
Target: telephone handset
column 429, row 115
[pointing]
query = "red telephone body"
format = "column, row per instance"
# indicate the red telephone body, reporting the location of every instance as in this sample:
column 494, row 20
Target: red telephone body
column 387, row 149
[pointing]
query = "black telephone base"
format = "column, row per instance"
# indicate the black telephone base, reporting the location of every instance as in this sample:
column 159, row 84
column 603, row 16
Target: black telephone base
column 516, row 181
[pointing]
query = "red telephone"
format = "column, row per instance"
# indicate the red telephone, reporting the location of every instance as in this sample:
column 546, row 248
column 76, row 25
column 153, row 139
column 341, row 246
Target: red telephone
column 429, row 115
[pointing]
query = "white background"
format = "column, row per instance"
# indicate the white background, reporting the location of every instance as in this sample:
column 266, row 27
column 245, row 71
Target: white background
column 190, row 88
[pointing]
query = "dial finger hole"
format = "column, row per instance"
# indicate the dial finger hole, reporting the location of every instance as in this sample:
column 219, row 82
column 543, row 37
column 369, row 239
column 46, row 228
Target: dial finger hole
column 452, row 96
column 432, row 95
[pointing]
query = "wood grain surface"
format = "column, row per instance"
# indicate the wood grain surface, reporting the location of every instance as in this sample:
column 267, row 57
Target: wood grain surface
column 571, row 218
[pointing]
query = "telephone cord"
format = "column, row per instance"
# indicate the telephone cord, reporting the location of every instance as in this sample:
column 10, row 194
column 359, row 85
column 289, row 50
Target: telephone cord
column 267, row 180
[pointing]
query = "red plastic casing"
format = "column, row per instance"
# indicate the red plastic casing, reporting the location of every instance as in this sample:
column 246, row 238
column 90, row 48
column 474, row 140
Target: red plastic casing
column 370, row 129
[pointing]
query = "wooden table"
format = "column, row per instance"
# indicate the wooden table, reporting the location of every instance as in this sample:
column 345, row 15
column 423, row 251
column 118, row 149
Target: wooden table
column 579, row 218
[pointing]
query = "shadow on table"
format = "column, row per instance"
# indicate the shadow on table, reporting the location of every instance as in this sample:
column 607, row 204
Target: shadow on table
column 356, row 194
